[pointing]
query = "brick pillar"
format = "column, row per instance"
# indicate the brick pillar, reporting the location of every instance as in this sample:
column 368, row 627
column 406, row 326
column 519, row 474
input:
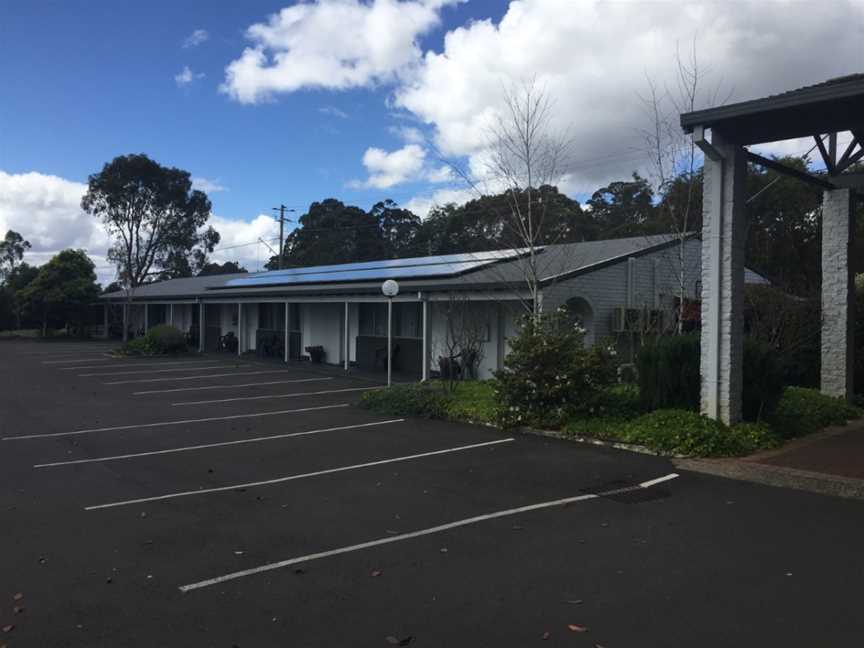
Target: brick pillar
column 723, row 244
column 838, row 293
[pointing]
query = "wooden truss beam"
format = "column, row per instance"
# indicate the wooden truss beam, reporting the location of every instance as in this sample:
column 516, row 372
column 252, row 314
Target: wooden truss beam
column 794, row 173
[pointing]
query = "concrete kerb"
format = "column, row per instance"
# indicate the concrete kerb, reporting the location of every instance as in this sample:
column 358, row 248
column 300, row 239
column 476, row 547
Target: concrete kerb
column 629, row 447
column 805, row 480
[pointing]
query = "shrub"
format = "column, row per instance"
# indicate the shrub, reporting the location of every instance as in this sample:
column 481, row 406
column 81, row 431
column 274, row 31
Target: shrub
column 139, row 346
column 167, row 339
column 803, row 411
column 669, row 376
column 669, row 373
column 159, row 340
column 763, row 380
column 549, row 375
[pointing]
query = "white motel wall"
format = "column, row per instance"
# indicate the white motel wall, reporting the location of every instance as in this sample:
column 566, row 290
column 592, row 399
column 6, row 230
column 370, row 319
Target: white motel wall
column 646, row 281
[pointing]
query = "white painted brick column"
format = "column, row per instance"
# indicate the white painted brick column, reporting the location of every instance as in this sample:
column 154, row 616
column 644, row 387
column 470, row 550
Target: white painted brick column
column 723, row 245
column 838, row 293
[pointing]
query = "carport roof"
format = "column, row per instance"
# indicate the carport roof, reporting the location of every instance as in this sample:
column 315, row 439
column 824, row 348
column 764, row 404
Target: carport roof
column 834, row 105
column 554, row 262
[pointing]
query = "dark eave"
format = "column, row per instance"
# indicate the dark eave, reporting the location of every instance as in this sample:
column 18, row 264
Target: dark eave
column 836, row 105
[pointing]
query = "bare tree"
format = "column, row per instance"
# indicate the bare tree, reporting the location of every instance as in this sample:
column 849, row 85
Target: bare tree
column 675, row 161
column 522, row 153
column 461, row 350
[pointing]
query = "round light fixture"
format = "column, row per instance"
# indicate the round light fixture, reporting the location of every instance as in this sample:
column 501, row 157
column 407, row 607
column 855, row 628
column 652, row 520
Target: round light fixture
column 390, row 288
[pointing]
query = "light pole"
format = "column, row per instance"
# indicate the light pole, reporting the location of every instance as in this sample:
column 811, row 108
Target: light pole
column 390, row 289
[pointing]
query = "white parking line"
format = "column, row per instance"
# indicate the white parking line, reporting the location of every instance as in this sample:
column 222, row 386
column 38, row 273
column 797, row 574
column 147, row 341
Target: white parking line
column 224, row 375
column 136, row 363
column 203, row 446
column 280, row 480
column 209, row 419
column 255, row 384
column 203, row 367
column 291, row 395
column 417, row 534
column 53, row 362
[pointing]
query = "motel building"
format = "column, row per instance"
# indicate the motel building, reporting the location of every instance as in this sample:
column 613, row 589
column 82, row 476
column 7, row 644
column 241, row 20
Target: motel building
column 619, row 290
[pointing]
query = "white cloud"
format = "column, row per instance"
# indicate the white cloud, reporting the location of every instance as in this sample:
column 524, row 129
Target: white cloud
column 236, row 234
column 333, row 111
column 593, row 57
column 208, row 186
column 408, row 134
column 389, row 169
column 334, row 44
column 187, row 76
column 46, row 210
column 423, row 204
column 196, row 38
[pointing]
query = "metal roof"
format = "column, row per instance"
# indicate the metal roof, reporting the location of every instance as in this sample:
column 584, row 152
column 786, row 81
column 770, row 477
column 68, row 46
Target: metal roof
column 554, row 263
column 834, row 105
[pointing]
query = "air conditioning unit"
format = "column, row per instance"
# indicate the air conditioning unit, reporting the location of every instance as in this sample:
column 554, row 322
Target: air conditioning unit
column 626, row 320
column 653, row 320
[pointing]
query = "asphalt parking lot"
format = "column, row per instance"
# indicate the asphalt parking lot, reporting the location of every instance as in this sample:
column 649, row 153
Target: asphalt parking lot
column 219, row 501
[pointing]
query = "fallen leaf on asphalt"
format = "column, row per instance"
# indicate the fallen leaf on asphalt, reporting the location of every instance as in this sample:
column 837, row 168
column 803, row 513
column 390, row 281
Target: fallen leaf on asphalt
column 599, row 646
column 18, row 596
column 576, row 628
column 375, row 573
column 8, row 628
column 17, row 609
column 545, row 636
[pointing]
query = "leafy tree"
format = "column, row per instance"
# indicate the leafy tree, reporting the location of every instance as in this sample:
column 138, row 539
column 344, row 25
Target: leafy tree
column 155, row 217
column 229, row 267
column 12, row 249
column 63, row 289
column 332, row 232
column 624, row 208
column 16, row 281
column 399, row 228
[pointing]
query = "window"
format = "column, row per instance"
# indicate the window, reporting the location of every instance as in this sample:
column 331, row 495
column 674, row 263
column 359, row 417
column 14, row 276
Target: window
column 407, row 320
column 271, row 317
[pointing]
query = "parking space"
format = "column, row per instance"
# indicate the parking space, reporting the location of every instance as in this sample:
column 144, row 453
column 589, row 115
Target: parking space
column 224, row 501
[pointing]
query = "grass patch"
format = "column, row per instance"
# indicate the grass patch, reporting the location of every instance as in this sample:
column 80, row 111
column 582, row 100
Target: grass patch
column 471, row 401
column 678, row 432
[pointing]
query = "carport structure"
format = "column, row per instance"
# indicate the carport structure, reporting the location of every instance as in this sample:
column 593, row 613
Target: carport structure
column 828, row 112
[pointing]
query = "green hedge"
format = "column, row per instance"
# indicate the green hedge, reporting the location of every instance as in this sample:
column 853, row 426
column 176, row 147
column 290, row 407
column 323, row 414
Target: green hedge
column 803, row 411
column 669, row 376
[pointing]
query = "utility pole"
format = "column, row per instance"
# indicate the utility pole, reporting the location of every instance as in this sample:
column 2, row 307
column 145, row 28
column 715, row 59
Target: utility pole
column 281, row 209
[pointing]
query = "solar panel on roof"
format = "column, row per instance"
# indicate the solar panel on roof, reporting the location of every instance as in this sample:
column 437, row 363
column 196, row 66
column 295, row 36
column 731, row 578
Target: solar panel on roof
column 491, row 255
column 413, row 268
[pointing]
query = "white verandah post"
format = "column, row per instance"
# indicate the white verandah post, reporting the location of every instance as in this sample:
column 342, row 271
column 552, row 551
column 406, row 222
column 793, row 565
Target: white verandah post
column 287, row 331
column 347, row 339
column 239, row 328
column 201, row 328
column 425, row 374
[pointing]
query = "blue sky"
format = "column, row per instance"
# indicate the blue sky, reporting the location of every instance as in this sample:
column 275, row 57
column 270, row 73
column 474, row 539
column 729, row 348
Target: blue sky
column 88, row 84
column 357, row 99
